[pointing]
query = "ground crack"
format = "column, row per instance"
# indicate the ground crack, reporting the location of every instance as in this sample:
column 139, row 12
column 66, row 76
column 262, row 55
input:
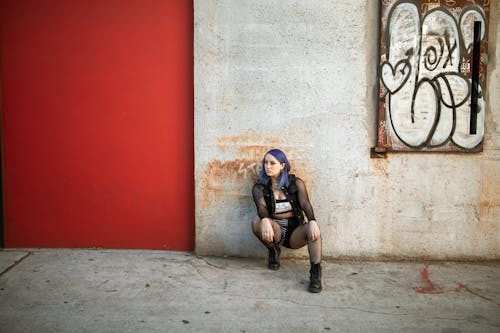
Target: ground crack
column 361, row 310
column 15, row 263
column 210, row 264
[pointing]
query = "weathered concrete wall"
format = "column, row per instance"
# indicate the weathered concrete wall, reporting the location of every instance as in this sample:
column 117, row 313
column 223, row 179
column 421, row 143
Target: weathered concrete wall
column 302, row 76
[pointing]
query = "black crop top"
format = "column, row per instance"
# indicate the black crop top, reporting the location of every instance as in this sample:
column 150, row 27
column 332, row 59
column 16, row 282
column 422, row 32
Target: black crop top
column 302, row 196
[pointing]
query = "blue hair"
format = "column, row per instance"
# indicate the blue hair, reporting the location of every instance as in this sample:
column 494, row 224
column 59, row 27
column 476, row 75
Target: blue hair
column 281, row 157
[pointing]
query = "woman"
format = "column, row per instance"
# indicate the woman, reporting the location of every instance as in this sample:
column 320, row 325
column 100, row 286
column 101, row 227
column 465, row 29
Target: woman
column 281, row 200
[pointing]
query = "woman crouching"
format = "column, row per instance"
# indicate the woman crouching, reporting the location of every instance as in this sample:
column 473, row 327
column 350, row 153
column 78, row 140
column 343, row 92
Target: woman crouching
column 282, row 200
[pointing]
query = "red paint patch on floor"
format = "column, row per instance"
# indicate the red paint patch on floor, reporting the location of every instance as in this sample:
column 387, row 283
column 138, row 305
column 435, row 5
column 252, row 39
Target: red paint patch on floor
column 462, row 286
column 430, row 289
column 467, row 289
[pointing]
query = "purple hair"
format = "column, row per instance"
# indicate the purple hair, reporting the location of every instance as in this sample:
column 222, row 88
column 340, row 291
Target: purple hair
column 281, row 157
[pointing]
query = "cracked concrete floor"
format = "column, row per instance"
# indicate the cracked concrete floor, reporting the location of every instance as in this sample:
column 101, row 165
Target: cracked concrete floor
column 157, row 291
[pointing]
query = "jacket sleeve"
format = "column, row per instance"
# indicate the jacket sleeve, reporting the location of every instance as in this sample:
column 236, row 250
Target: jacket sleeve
column 305, row 204
column 260, row 202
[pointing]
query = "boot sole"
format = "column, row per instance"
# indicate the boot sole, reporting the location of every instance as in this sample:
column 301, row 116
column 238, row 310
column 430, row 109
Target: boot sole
column 315, row 290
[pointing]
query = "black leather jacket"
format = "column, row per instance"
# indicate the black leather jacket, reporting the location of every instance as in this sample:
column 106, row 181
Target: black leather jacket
column 296, row 195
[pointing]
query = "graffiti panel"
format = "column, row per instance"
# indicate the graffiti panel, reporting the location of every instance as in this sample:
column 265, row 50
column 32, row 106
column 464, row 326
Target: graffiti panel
column 432, row 72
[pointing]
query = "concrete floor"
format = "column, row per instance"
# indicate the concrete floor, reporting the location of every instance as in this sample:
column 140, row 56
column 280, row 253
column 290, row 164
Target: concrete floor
column 157, row 291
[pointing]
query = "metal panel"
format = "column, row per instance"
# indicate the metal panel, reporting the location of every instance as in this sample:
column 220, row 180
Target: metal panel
column 432, row 72
column 97, row 123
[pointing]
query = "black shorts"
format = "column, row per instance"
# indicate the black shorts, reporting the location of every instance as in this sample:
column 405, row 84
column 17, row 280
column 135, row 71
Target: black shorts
column 287, row 230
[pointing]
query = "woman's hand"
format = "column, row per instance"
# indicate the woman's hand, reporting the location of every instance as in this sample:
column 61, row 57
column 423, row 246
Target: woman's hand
column 314, row 233
column 267, row 230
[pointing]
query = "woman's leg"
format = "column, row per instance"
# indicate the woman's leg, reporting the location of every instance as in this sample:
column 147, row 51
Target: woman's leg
column 257, row 230
column 272, row 247
column 302, row 236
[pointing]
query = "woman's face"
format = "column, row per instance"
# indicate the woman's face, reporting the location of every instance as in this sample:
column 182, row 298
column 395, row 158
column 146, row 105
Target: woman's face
column 272, row 166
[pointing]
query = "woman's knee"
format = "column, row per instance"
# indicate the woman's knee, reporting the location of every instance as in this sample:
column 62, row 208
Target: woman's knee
column 257, row 223
column 309, row 232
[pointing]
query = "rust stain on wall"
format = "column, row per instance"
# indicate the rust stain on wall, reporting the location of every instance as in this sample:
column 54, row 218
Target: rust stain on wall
column 233, row 179
column 240, row 169
column 381, row 166
column 250, row 144
column 489, row 202
column 228, row 179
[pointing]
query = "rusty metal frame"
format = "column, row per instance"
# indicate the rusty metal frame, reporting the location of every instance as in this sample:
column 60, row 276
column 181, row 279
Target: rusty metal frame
column 387, row 139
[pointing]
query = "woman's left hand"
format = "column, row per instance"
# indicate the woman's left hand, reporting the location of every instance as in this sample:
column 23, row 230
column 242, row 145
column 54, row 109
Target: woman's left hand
column 314, row 230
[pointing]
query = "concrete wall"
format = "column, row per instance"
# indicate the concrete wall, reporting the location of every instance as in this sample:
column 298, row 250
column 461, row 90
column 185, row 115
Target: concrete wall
column 302, row 76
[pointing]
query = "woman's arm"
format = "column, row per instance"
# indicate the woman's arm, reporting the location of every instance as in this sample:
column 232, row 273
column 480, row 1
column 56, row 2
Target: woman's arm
column 266, row 230
column 314, row 232
column 304, row 200
column 260, row 202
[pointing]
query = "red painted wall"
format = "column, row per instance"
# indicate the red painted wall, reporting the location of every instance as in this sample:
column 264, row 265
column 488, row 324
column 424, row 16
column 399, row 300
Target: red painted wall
column 97, row 112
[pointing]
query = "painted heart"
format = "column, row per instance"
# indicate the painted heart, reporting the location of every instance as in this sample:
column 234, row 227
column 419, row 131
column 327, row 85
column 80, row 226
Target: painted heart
column 395, row 77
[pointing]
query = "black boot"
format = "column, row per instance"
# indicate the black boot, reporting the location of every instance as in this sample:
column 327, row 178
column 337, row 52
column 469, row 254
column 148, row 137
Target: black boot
column 315, row 278
column 274, row 257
